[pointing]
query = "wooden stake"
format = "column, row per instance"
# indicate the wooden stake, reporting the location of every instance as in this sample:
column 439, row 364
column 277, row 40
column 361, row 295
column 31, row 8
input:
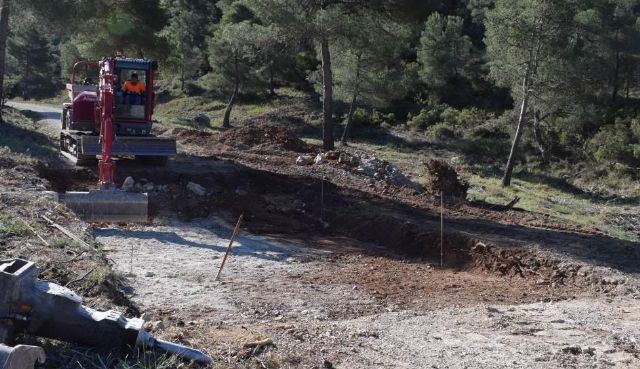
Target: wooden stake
column 322, row 200
column 236, row 230
column 441, row 229
column 33, row 230
column 67, row 232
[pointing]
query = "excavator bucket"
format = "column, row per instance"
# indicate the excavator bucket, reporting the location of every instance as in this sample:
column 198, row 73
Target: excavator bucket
column 109, row 206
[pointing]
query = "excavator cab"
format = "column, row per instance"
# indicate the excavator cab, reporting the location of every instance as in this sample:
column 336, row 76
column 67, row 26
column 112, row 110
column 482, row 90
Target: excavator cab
column 132, row 123
column 102, row 122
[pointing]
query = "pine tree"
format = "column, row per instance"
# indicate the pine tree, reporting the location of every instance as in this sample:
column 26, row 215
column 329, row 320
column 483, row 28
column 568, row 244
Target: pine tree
column 524, row 42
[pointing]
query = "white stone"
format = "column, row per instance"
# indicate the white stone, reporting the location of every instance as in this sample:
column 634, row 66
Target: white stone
column 128, row 184
column 196, row 188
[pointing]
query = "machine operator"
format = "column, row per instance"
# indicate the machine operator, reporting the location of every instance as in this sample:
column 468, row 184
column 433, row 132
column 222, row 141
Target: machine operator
column 133, row 89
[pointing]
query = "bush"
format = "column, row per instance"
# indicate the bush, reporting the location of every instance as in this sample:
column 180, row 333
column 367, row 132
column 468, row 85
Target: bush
column 455, row 119
column 473, row 117
column 492, row 128
column 426, row 118
column 376, row 118
column 192, row 89
column 450, row 117
column 441, row 131
column 362, row 117
column 618, row 143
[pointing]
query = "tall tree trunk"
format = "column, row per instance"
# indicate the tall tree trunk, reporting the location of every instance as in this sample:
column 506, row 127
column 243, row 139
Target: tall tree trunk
column 537, row 135
column 236, row 87
column 5, row 9
column 327, row 96
column 352, row 108
column 616, row 80
column 182, row 74
column 272, row 86
column 506, row 179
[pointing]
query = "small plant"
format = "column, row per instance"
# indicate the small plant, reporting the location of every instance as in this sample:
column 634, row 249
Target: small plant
column 426, row 118
column 97, row 276
column 441, row 131
column 12, row 226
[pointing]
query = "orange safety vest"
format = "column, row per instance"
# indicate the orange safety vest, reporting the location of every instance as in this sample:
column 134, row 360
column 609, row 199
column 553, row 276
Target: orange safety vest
column 129, row 87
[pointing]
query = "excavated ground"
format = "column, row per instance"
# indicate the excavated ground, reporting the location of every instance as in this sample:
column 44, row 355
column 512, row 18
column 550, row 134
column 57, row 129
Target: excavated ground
column 342, row 272
column 328, row 257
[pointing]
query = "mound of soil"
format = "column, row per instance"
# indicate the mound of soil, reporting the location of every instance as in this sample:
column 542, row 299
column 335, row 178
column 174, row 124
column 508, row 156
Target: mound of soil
column 263, row 135
column 444, row 179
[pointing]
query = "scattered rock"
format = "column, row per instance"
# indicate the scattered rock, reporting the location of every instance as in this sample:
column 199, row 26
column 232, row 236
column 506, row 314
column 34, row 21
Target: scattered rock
column 149, row 274
column 128, row 184
column 382, row 170
column 348, row 159
column 304, row 160
column 319, row 159
column 148, row 187
column 241, row 192
column 51, row 195
column 202, row 118
column 577, row 350
column 157, row 326
column 196, row 188
column 332, row 155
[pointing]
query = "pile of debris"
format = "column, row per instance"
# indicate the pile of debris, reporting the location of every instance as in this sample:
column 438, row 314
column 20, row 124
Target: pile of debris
column 264, row 136
column 362, row 164
column 442, row 178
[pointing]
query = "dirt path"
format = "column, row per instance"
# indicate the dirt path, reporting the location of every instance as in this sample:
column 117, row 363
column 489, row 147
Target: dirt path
column 50, row 122
column 359, row 311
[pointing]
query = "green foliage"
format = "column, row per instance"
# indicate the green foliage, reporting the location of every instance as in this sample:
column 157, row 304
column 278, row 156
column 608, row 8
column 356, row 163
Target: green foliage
column 427, row 117
column 12, row 226
column 441, row 131
column 444, row 50
column 617, row 143
column 190, row 21
column 455, row 119
column 31, row 64
column 373, row 118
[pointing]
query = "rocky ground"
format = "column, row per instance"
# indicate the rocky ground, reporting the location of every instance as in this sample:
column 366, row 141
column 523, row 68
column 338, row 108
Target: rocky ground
column 340, row 267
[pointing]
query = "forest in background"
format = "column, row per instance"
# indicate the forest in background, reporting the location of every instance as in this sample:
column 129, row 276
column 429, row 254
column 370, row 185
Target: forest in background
column 538, row 82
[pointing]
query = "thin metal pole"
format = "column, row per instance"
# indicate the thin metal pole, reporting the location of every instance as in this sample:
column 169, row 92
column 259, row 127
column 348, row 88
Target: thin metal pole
column 441, row 229
column 322, row 200
column 236, row 230
column 131, row 261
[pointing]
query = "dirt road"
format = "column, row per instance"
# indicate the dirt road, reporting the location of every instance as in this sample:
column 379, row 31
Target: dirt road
column 328, row 300
column 50, row 116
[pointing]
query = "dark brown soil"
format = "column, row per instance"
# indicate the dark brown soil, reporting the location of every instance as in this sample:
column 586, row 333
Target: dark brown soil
column 443, row 179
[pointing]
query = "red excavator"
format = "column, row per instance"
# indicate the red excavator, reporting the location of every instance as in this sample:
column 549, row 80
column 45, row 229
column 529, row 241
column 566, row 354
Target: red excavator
column 108, row 121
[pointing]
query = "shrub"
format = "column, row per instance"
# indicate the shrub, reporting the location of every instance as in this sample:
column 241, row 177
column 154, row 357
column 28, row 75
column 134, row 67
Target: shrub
column 441, row 131
column 473, row 117
column 390, row 118
column 376, row 118
column 492, row 128
column 614, row 143
column 360, row 117
column 192, row 89
column 426, row 118
column 450, row 117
